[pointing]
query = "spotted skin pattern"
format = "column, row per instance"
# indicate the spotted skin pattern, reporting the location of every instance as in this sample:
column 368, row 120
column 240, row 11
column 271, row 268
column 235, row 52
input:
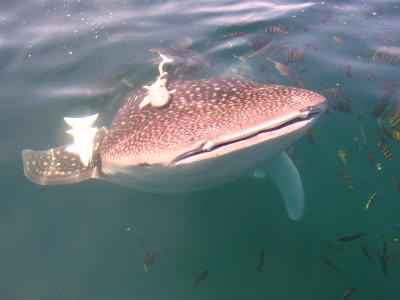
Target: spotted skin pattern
column 199, row 110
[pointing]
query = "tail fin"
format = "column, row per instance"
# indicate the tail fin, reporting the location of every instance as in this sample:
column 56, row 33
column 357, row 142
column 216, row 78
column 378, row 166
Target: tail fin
column 58, row 166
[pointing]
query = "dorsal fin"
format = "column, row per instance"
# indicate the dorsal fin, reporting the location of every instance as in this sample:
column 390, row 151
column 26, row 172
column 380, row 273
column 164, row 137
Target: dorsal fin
column 59, row 166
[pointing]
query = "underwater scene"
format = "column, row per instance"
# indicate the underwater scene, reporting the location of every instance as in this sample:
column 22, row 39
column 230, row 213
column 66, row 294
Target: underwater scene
column 217, row 88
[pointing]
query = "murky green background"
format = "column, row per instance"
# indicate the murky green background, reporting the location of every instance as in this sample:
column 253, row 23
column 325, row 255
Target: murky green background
column 88, row 241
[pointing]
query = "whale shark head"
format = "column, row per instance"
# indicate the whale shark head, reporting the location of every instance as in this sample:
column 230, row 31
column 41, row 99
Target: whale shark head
column 204, row 120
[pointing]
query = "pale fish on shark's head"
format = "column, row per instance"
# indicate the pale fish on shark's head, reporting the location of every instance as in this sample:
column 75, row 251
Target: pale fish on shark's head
column 210, row 132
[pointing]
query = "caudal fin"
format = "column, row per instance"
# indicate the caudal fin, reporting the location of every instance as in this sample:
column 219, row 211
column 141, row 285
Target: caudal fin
column 58, row 166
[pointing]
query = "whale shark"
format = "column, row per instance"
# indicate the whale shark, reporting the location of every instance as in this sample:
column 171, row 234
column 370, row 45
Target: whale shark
column 209, row 132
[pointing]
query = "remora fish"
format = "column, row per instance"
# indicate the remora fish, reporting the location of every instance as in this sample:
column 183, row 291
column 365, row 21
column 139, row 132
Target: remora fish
column 210, row 132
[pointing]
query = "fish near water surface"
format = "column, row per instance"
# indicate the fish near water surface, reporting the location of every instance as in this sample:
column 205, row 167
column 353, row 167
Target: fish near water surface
column 347, row 178
column 395, row 182
column 394, row 119
column 385, row 151
column 371, row 199
column 351, row 237
column 331, row 265
column 276, row 29
column 347, row 294
column 296, row 55
column 342, row 106
column 364, row 250
column 256, row 52
column 149, row 259
column 210, row 132
column 201, row 277
column 374, row 162
column 261, row 260
column 343, row 155
column 282, row 69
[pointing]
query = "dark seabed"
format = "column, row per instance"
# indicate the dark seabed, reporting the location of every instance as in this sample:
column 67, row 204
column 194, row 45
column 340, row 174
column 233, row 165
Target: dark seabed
column 89, row 240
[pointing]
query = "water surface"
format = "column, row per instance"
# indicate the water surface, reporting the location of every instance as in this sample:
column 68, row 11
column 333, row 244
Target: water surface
column 88, row 241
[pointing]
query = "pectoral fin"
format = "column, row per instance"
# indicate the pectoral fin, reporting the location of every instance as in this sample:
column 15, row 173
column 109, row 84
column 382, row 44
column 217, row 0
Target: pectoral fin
column 284, row 173
column 58, row 166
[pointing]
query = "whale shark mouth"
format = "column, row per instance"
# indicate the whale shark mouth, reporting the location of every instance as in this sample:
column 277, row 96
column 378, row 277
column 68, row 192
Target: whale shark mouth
column 247, row 140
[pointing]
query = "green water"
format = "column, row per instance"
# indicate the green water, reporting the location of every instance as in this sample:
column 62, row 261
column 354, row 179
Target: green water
column 89, row 240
